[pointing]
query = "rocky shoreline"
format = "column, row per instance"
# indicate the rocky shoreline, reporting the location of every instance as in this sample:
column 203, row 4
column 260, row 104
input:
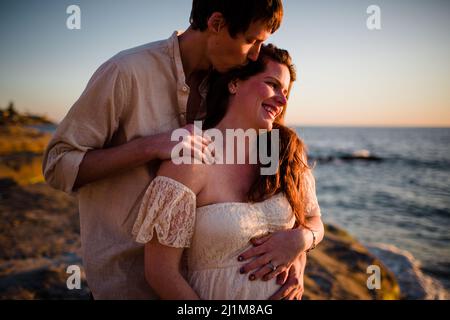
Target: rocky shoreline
column 39, row 237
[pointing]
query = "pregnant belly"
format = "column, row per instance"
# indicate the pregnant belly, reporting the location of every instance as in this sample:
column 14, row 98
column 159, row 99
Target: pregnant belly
column 228, row 284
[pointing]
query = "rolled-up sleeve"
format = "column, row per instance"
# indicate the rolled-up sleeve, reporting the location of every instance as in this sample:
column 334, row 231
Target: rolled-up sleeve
column 90, row 124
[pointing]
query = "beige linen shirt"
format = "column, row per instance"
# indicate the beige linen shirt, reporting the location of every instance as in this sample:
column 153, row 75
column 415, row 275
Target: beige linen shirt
column 138, row 92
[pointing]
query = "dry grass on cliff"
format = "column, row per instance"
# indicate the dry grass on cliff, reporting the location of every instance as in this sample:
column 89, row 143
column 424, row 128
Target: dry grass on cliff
column 18, row 139
column 21, row 150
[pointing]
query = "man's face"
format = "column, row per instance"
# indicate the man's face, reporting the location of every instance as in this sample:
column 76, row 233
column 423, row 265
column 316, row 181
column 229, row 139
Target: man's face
column 226, row 52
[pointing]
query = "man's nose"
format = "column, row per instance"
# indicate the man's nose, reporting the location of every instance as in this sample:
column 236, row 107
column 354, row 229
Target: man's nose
column 254, row 53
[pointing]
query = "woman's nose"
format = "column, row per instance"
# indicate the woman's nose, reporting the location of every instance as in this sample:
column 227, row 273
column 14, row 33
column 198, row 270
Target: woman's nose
column 281, row 99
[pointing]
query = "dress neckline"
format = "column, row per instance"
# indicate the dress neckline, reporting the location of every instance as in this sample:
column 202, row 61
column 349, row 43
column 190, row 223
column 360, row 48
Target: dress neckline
column 218, row 204
column 233, row 203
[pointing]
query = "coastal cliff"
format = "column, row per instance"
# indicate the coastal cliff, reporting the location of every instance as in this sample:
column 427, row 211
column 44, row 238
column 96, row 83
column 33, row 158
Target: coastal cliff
column 338, row 270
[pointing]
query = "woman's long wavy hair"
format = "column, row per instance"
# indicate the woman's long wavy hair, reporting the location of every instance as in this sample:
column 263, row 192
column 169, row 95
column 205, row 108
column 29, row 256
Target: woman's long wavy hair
column 293, row 159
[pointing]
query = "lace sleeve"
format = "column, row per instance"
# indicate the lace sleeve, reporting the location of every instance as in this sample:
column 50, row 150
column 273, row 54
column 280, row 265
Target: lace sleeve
column 312, row 205
column 168, row 208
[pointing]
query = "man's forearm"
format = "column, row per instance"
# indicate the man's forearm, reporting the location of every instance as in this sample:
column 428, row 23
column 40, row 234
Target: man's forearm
column 99, row 164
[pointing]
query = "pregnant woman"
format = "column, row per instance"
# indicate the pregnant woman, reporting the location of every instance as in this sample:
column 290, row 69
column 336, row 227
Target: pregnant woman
column 210, row 212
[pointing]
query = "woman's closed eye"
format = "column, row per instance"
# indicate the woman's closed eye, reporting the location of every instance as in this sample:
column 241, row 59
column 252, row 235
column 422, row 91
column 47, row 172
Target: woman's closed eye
column 276, row 87
column 272, row 84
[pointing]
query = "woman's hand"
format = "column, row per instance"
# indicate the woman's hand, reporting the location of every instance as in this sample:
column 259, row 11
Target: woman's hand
column 275, row 253
column 194, row 142
column 291, row 281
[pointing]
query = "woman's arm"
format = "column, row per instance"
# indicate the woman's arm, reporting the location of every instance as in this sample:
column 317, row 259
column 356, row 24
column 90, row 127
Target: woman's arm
column 316, row 225
column 163, row 263
column 162, row 272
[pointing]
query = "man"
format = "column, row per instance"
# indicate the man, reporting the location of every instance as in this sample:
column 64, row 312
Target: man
column 107, row 147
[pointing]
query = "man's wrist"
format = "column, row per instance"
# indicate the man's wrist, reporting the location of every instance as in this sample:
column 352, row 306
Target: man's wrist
column 150, row 148
column 308, row 239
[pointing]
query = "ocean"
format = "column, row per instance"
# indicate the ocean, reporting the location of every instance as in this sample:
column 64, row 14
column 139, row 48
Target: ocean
column 390, row 188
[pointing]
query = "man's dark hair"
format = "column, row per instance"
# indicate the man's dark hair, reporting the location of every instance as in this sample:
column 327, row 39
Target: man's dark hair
column 238, row 14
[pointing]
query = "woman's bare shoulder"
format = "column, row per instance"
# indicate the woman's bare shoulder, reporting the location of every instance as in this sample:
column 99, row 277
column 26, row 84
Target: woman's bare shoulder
column 191, row 175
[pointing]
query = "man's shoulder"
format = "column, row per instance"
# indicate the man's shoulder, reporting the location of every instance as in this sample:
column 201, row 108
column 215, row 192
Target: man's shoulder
column 144, row 56
column 155, row 47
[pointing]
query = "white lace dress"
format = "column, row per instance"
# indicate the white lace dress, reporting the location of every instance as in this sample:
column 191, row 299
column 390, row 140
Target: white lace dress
column 214, row 235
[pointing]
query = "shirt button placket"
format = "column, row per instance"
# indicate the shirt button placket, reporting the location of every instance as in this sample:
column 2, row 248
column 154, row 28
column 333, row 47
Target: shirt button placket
column 184, row 90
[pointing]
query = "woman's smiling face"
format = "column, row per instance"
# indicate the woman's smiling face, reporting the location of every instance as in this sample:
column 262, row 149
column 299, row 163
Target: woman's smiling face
column 261, row 99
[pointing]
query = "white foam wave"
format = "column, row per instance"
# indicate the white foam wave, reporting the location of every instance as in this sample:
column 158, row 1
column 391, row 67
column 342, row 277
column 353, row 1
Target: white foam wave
column 363, row 153
column 414, row 284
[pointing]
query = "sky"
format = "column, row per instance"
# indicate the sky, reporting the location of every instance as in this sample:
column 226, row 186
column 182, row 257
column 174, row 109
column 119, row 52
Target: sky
column 348, row 75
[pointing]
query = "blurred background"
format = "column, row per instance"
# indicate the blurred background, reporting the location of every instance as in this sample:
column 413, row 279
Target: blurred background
column 373, row 106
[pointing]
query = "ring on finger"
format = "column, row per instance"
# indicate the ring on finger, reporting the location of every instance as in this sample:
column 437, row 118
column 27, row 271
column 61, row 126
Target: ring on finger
column 271, row 266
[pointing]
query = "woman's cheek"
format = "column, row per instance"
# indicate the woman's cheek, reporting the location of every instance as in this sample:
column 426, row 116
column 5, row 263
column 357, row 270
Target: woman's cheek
column 265, row 91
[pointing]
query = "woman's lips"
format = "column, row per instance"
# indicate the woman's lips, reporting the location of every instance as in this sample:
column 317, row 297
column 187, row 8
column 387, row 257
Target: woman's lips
column 273, row 111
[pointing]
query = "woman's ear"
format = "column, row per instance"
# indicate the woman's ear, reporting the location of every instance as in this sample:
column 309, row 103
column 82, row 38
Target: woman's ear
column 232, row 87
column 216, row 22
